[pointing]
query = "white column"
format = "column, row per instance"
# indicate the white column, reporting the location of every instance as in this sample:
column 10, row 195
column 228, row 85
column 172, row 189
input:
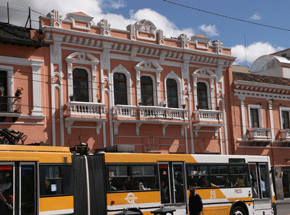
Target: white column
column 36, row 87
column 94, row 82
column 244, row 132
column 271, row 119
column 69, row 77
column 158, row 88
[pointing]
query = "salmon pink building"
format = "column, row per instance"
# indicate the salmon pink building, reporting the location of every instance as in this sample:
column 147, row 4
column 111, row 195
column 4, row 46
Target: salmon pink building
column 75, row 80
column 134, row 86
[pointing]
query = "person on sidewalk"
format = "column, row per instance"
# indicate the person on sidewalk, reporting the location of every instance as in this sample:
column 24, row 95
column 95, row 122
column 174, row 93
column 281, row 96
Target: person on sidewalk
column 195, row 203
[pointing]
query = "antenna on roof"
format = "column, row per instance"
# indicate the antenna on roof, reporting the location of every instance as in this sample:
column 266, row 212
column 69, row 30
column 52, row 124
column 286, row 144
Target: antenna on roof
column 246, row 58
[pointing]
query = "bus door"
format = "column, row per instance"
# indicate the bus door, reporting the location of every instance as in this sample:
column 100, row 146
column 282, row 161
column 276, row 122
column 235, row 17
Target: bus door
column 261, row 193
column 18, row 188
column 172, row 182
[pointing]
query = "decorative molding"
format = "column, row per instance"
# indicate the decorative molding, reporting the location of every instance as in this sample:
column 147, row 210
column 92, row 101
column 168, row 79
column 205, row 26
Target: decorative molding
column 145, row 26
column 123, row 70
column 105, row 27
column 207, row 74
column 73, row 17
column 173, row 75
column 55, row 19
column 218, row 47
column 86, row 59
column 149, row 66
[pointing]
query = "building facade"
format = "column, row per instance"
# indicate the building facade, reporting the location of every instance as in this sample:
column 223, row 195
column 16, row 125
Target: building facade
column 87, row 82
column 113, row 86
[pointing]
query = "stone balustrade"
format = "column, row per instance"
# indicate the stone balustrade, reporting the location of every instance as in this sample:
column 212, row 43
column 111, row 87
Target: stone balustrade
column 150, row 112
column 259, row 133
column 208, row 115
column 85, row 108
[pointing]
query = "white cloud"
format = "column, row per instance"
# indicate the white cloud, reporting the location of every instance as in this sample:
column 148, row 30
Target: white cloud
column 95, row 8
column 253, row 51
column 256, row 16
column 210, row 30
column 114, row 4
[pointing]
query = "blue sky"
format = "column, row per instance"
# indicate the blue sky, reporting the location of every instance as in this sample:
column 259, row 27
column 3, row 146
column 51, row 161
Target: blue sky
column 174, row 20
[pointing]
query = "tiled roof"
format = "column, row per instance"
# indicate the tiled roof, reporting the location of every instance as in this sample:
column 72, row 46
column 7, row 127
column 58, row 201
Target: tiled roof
column 238, row 76
column 81, row 13
column 17, row 35
column 201, row 35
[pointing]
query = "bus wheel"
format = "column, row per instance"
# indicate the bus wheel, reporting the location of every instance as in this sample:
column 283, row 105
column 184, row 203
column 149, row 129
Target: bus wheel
column 238, row 211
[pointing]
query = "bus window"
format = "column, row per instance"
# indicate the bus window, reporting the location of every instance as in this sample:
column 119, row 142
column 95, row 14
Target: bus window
column 239, row 176
column 55, row 180
column 6, row 188
column 264, row 180
column 119, row 179
column 219, row 176
column 198, row 176
column 254, row 181
column 144, row 178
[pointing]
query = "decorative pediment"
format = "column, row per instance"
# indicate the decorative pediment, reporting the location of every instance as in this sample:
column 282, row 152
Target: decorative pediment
column 204, row 72
column 81, row 17
column 150, row 66
column 83, row 58
column 145, row 26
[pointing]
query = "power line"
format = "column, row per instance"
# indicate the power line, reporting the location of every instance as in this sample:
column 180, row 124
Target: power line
column 228, row 17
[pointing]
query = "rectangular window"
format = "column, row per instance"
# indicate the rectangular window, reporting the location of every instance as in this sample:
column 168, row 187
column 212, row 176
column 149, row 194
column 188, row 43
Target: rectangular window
column 197, row 176
column 119, row 179
column 240, row 176
column 219, row 176
column 255, row 117
column 122, row 178
column 55, row 180
column 144, row 178
column 285, row 119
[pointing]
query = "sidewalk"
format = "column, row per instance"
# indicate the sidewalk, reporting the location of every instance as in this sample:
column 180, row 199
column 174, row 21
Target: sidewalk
column 283, row 202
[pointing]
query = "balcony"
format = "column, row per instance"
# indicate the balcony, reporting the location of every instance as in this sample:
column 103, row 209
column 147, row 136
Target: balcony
column 259, row 136
column 10, row 108
column 285, row 136
column 207, row 119
column 85, row 112
column 149, row 114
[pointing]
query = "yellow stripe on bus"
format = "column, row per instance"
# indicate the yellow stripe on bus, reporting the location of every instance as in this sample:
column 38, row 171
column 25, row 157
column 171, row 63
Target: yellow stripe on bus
column 56, row 203
column 146, row 158
column 42, row 157
column 133, row 198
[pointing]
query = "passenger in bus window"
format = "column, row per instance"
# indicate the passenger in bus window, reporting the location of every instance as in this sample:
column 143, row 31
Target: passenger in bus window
column 5, row 184
column 111, row 187
column 204, row 182
column 164, row 193
column 228, row 183
column 240, row 182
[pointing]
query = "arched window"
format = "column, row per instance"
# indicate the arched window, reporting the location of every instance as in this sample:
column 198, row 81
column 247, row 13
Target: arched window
column 202, row 96
column 146, row 91
column 172, row 96
column 120, row 89
column 80, row 85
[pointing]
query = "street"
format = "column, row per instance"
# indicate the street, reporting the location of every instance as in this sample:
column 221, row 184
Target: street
column 283, row 209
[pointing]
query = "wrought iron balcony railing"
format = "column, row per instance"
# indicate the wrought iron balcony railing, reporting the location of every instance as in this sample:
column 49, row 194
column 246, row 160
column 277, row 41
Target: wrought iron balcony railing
column 9, row 104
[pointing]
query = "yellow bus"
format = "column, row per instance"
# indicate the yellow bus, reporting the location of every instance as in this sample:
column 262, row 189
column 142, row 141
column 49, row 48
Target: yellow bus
column 227, row 184
column 35, row 179
column 40, row 179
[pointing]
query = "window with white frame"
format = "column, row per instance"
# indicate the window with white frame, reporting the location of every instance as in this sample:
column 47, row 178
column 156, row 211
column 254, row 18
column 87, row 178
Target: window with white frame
column 172, row 95
column 147, row 91
column 80, row 85
column 284, row 116
column 202, row 99
column 255, row 116
column 120, row 89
